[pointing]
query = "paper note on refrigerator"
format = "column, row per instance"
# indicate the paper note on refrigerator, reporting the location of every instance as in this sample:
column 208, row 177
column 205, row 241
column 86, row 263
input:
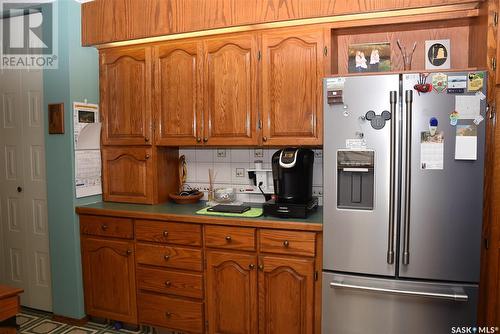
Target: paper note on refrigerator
column 467, row 106
column 466, row 142
column 432, row 150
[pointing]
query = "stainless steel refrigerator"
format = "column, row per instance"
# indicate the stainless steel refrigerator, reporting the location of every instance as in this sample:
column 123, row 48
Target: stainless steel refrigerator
column 403, row 197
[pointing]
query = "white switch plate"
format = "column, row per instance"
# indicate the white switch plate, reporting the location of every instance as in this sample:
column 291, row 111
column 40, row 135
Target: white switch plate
column 240, row 172
column 258, row 153
column 221, row 153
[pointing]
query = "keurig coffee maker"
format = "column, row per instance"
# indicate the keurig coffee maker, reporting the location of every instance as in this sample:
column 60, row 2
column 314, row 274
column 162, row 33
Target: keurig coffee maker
column 292, row 175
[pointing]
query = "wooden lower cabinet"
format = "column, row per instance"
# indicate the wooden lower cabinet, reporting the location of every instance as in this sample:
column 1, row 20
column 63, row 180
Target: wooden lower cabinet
column 286, row 295
column 109, row 279
column 201, row 278
column 231, row 292
column 273, row 295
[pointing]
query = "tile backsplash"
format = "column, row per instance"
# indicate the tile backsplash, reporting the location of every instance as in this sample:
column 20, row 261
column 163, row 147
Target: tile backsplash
column 231, row 168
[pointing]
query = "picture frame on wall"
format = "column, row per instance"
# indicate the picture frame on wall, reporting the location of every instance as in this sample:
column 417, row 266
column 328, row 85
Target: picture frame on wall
column 369, row 57
column 437, row 54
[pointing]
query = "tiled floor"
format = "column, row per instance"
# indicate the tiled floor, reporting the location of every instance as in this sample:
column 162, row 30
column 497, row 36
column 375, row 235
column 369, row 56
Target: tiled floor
column 36, row 322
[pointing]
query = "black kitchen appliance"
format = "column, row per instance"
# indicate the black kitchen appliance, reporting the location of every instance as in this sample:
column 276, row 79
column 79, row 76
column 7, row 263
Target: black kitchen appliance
column 292, row 175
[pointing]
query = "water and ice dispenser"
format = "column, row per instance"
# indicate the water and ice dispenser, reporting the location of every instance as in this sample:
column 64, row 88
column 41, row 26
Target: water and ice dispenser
column 355, row 179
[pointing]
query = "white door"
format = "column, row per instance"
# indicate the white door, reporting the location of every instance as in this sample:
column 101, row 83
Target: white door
column 23, row 196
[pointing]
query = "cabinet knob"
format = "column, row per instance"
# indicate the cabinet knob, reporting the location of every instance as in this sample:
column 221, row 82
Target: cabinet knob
column 168, row 284
column 264, row 138
column 19, row 189
column 228, row 238
column 251, row 266
column 129, row 252
column 198, row 139
column 146, row 139
column 104, row 227
column 261, row 267
column 147, row 156
column 205, row 139
column 286, row 243
column 166, row 257
column 165, row 234
column 168, row 314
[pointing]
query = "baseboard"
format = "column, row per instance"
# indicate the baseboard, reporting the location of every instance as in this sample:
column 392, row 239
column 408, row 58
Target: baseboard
column 70, row 321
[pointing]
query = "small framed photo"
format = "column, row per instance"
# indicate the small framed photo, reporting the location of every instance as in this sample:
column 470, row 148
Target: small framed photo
column 437, row 54
column 56, row 118
column 369, row 57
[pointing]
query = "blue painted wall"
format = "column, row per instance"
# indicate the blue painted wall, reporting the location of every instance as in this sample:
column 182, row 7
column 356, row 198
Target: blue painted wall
column 76, row 79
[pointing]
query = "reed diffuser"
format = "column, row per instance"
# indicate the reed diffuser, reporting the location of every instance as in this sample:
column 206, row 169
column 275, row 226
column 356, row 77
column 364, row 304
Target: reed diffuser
column 211, row 181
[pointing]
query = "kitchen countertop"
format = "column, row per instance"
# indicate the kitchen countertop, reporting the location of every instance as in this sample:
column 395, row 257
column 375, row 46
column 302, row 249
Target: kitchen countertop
column 187, row 213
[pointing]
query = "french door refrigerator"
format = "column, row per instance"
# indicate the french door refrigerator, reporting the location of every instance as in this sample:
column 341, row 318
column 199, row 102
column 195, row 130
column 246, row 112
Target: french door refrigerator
column 403, row 196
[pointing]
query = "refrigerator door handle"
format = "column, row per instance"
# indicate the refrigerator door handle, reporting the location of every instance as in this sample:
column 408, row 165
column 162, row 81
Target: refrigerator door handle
column 406, row 225
column 392, row 184
column 459, row 295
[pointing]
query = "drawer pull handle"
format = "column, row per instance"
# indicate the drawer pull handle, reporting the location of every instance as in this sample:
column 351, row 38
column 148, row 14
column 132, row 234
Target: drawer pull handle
column 104, row 227
column 129, row 252
column 251, row 266
column 168, row 314
column 286, row 243
column 228, row 238
column 165, row 234
column 166, row 257
column 168, row 284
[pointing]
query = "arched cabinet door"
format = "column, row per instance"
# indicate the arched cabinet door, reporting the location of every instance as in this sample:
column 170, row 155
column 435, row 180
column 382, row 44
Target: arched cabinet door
column 128, row 174
column 286, row 295
column 230, row 93
column 231, row 293
column 292, row 71
column 109, row 279
column 125, row 94
column 177, row 81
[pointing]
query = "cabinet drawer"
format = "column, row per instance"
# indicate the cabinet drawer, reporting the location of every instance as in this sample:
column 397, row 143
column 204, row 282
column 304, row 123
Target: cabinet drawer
column 107, row 226
column 241, row 238
column 287, row 242
column 170, row 282
column 167, row 232
column 166, row 256
column 171, row 313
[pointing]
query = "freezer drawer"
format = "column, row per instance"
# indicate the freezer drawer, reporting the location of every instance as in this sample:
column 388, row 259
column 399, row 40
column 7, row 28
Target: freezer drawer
column 360, row 305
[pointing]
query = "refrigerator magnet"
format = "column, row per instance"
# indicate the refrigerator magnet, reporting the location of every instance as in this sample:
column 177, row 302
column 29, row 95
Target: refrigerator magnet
column 454, row 116
column 478, row 120
column 439, row 82
column 433, row 125
column 475, row 81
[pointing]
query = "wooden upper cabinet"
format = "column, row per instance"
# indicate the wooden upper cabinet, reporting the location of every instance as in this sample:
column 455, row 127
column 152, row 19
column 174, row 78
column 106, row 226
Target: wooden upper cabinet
column 125, row 87
column 109, row 279
column 230, row 97
column 286, row 284
column 232, row 293
column 292, row 70
column 177, row 93
column 98, row 26
column 128, row 174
